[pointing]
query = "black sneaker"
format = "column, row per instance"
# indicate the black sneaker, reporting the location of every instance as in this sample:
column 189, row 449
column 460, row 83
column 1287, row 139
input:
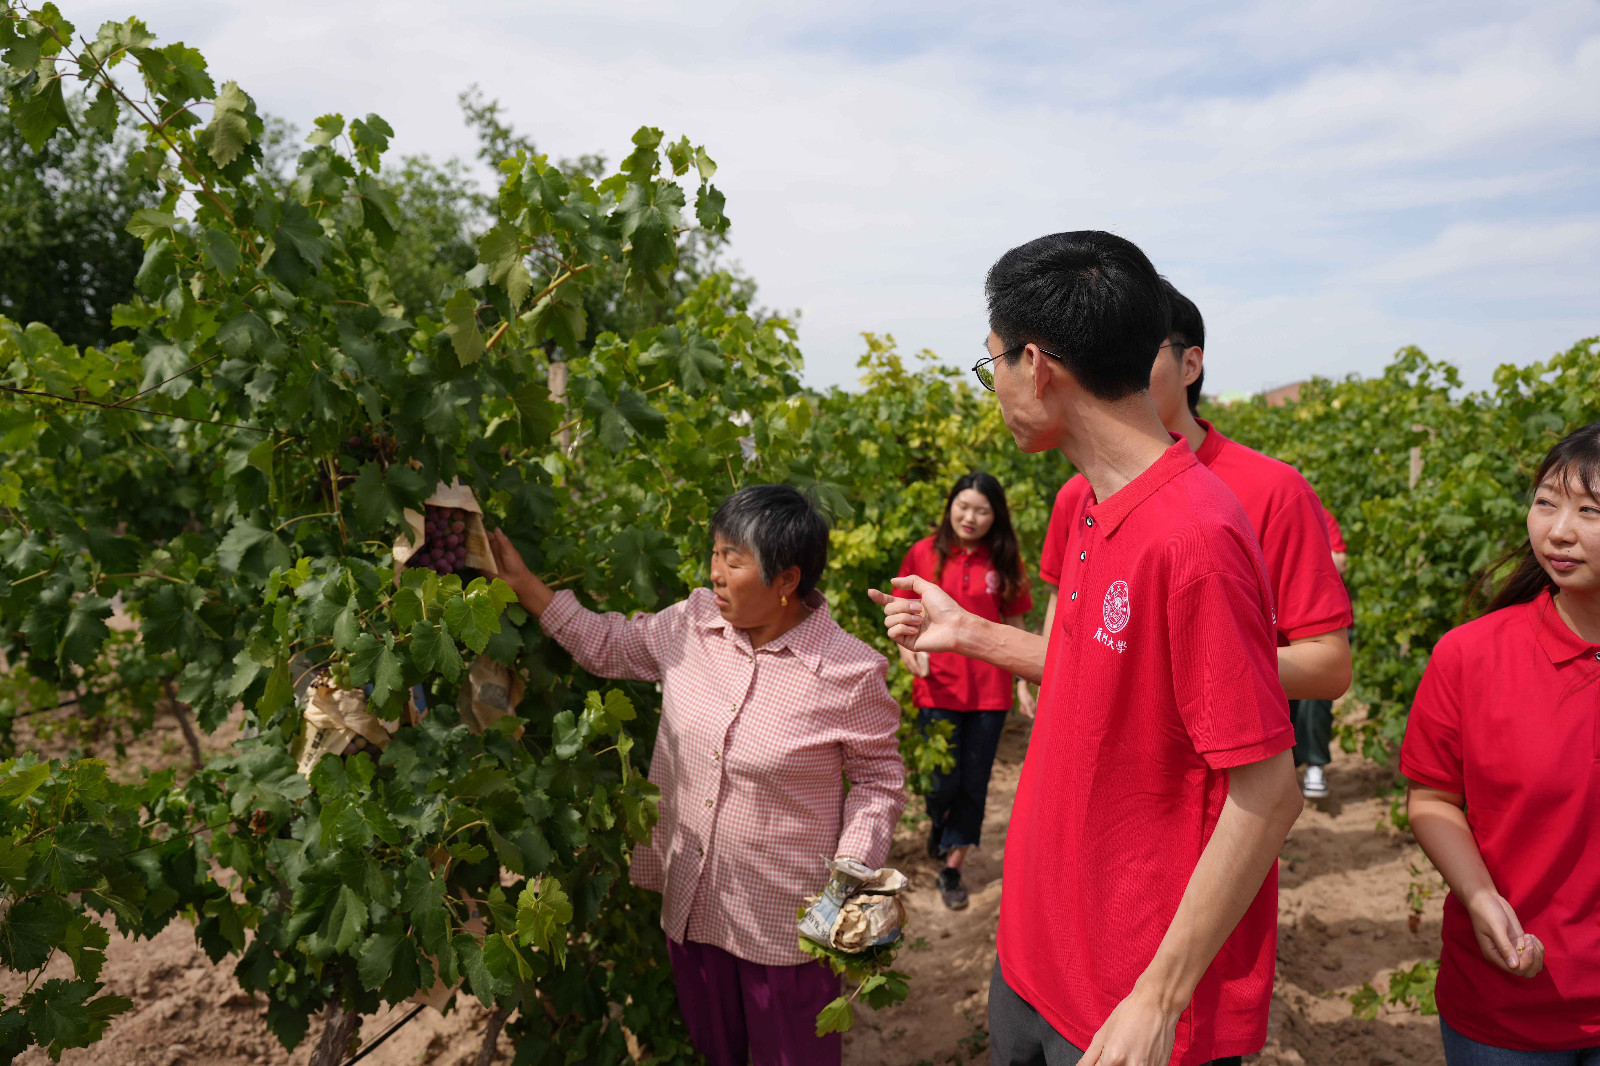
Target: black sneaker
column 951, row 890
column 935, row 852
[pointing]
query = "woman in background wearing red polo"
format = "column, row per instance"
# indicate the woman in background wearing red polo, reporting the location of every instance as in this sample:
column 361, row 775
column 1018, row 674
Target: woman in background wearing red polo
column 1503, row 753
column 974, row 557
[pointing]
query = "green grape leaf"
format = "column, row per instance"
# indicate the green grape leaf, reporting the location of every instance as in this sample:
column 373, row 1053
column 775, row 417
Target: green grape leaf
column 646, row 559
column 223, row 255
column 101, row 116
column 433, row 649
column 461, row 314
column 377, row 957
column 618, row 421
column 228, row 132
column 147, row 222
column 423, row 899
column 483, row 984
column 501, row 251
column 537, row 416
column 564, row 732
column 836, row 1017
column 371, row 139
column 346, row 627
column 23, row 781
column 85, row 631
column 250, row 546
column 14, row 859
column 694, row 362
column 346, row 920
column 708, row 209
column 555, row 319
column 38, row 114
column 408, row 608
column 379, row 211
column 277, row 693
column 474, row 617
column 328, row 128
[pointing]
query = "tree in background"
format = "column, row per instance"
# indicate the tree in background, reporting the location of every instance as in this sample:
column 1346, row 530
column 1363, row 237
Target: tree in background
column 66, row 257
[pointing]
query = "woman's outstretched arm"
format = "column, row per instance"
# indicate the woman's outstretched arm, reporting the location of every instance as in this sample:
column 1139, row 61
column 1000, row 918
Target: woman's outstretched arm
column 607, row 645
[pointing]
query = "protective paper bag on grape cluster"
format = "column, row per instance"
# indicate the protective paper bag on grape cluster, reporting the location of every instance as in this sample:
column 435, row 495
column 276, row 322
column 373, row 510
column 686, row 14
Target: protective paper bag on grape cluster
column 473, row 548
column 336, row 720
column 858, row 909
column 490, row 691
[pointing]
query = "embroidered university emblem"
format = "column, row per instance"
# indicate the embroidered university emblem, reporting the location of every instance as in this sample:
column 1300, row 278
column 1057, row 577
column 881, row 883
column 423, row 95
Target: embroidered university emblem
column 991, row 583
column 1115, row 608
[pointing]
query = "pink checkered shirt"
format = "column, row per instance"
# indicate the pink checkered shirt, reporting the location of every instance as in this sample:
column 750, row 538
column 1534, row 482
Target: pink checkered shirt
column 749, row 760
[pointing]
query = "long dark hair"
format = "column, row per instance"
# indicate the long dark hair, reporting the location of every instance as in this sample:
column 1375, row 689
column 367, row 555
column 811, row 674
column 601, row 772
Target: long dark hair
column 1576, row 455
column 1001, row 540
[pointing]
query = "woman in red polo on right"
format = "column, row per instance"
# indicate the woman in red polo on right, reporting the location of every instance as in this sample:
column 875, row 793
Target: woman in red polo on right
column 1503, row 755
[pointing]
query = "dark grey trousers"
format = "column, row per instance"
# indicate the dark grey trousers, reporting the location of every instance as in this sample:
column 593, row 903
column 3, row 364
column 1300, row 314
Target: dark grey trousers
column 1019, row 1035
column 1313, row 731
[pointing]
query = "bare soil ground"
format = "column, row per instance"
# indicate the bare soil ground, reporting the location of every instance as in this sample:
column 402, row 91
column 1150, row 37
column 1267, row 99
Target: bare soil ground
column 1343, row 919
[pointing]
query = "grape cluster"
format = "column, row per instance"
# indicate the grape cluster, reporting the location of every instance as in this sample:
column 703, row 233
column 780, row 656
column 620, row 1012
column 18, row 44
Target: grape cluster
column 339, row 673
column 359, row 743
column 444, row 546
column 363, row 446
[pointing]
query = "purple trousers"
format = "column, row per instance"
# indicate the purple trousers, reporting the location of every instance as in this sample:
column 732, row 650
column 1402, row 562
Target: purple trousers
column 745, row 1014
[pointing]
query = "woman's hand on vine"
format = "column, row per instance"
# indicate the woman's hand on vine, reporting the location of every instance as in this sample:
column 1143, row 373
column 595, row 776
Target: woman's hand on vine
column 533, row 594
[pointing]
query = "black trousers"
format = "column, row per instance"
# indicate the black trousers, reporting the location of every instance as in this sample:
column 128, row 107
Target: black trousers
column 1019, row 1035
column 956, row 803
column 1313, row 731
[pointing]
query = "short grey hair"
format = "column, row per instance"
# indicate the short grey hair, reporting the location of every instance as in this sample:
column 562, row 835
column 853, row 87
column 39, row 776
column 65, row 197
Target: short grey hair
column 780, row 527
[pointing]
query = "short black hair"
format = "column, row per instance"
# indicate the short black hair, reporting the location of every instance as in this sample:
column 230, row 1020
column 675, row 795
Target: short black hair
column 1092, row 298
column 780, row 527
column 1189, row 330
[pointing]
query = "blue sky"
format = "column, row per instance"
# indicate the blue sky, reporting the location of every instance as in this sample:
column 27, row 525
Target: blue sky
column 1328, row 180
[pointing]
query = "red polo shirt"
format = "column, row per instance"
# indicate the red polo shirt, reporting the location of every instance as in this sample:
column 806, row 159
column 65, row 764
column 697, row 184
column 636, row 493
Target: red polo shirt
column 1508, row 715
column 1335, row 535
column 1161, row 675
column 1288, row 519
column 955, row 682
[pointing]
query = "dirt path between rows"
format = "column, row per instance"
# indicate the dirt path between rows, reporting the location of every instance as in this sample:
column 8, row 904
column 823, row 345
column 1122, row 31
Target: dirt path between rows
column 1342, row 920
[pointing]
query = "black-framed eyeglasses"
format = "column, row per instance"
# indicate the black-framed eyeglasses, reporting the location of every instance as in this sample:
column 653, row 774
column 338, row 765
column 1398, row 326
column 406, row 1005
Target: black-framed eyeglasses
column 985, row 372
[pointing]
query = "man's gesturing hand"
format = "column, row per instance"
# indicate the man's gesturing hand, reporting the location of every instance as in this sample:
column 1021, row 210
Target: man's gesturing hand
column 928, row 624
column 1138, row 1033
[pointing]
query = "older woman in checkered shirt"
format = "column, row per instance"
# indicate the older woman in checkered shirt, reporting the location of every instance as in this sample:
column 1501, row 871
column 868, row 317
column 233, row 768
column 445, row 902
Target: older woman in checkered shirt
column 767, row 708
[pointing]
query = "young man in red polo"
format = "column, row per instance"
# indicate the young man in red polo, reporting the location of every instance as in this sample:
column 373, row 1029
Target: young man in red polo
column 1313, row 608
column 1138, row 923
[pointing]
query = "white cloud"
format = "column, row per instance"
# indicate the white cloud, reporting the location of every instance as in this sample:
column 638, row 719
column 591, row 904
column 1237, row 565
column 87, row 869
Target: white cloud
column 1326, row 178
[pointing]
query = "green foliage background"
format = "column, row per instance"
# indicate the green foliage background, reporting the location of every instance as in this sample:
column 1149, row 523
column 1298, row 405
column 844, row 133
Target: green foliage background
column 197, row 473
column 1416, row 551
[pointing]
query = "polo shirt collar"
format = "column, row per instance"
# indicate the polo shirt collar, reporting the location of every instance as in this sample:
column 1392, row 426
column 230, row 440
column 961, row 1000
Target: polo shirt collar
column 805, row 641
column 1212, row 446
column 1174, row 461
column 1560, row 643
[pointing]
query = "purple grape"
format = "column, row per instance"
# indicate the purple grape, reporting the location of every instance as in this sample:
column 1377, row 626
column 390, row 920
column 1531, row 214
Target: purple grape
column 458, row 526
